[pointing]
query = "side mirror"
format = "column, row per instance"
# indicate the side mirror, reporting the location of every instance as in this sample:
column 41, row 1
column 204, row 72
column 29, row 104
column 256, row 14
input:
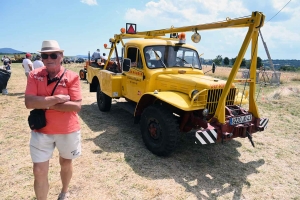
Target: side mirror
column 126, row 65
column 213, row 69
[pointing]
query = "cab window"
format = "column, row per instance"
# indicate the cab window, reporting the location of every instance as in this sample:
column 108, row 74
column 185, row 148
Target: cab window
column 134, row 55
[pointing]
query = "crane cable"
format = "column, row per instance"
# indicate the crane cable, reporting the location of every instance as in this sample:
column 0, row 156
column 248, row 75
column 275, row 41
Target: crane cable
column 279, row 11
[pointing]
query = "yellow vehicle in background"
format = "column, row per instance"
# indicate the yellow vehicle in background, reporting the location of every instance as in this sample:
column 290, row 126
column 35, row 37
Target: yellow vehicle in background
column 164, row 87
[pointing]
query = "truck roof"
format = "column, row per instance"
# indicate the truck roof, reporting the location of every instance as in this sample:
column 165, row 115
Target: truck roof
column 149, row 42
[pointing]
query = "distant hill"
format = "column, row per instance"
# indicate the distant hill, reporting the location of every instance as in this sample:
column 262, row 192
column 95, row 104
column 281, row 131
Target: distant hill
column 9, row 51
column 82, row 56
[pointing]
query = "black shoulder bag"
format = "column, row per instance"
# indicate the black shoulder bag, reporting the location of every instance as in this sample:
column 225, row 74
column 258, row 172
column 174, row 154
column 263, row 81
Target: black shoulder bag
column 37, row 117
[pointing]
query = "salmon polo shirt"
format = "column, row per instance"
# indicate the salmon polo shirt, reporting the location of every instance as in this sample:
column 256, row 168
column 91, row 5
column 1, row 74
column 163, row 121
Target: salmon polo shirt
column 58, row 122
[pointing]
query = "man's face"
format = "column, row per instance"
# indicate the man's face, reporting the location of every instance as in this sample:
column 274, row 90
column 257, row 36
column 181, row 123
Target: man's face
column 52, row 59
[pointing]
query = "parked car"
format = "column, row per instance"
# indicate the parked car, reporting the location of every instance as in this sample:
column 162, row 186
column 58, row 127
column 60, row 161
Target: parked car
column 79, row 60
column 66, row 61
column 72, row 60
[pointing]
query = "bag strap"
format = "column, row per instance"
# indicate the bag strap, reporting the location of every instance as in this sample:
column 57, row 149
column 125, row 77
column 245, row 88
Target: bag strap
column 58, row 82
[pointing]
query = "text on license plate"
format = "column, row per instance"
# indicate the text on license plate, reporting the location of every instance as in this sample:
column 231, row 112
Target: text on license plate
column 240, row 119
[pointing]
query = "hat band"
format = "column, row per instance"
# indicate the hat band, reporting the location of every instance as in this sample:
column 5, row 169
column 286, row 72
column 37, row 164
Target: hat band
column 50, row 48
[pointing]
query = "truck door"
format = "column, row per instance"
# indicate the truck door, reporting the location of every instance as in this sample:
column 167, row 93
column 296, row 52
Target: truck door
column 134, row 79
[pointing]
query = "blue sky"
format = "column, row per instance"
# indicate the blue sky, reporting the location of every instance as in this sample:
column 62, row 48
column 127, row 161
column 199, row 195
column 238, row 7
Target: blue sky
column 85, row 25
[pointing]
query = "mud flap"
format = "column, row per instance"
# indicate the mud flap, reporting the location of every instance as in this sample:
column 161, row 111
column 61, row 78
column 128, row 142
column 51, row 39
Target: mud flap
column 207, row 136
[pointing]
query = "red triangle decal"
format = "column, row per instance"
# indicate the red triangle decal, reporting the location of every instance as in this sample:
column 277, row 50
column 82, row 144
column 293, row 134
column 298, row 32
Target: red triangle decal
column 131, row 30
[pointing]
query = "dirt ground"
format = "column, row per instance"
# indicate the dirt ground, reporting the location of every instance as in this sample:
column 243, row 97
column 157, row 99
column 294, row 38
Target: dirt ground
column 115, row 164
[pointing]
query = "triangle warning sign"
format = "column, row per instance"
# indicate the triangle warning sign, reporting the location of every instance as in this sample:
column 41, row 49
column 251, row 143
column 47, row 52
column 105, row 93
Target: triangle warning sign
column 131, row 28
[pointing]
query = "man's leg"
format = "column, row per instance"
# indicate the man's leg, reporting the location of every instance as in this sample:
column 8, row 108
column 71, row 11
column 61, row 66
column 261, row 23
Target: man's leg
column 41, row 185
column 65, row 173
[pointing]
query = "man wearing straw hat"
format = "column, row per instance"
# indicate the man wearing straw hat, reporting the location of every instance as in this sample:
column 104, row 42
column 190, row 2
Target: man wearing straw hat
column 62, row 128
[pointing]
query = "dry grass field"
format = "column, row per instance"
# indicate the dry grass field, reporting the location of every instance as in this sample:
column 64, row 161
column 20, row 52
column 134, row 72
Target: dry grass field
column 116, row 165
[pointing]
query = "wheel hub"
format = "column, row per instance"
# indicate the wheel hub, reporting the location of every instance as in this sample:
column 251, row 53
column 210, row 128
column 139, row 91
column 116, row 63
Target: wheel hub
column 153, row 128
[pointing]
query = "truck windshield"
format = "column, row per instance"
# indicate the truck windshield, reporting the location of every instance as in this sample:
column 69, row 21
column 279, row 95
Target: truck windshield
column 172, row 57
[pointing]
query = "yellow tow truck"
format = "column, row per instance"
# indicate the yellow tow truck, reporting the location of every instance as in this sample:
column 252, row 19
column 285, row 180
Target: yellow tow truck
column 159, row 79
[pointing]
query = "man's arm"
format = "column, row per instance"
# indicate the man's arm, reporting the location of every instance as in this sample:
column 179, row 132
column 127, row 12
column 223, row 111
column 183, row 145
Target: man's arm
column 56, row 102
column 40, row 102
column 67, row 106
column 30, row 67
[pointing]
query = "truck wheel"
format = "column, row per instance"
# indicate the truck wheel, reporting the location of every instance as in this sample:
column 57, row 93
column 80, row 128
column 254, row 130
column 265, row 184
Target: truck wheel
column 160, row 130
column 82, row 74
column 103, row 101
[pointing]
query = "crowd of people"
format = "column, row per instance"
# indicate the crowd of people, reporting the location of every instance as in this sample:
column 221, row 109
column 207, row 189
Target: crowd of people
column 98, row 58
column 27, row 65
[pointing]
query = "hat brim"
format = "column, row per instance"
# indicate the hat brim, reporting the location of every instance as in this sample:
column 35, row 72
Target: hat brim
column 46, row 51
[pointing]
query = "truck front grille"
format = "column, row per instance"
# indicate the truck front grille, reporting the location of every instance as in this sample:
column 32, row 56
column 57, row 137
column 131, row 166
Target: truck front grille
column 214, row 96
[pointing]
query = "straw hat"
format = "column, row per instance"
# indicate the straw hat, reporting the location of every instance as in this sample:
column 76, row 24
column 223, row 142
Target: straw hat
column 50, row 46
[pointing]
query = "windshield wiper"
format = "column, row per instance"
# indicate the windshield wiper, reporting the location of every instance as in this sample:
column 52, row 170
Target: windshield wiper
column 184, row 61
column 162, row 62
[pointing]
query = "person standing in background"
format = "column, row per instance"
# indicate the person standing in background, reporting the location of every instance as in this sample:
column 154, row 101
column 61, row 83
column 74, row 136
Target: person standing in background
column 38, row 62
column 96, row 55
column 104, row 58
column 27, row 64
column 6, row 74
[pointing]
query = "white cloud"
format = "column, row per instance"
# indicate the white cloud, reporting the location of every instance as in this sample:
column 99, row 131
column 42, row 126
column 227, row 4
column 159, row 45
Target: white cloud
column 186, row 12
column 278, row 33
column 89, row 2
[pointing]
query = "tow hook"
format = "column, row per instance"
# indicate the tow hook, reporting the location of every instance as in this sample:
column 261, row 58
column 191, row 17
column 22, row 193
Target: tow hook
column 250, row 138
column 226, row 135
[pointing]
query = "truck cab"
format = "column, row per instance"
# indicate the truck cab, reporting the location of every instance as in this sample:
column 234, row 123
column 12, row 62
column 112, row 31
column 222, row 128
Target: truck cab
column 151, row 61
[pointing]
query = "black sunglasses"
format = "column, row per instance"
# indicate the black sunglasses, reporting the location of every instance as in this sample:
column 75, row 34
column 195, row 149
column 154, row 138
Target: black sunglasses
column 52, row 55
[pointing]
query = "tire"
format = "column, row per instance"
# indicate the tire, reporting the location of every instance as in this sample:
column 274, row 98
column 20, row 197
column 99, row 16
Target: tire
column 82, row 74
column 161, row 142
column 103, row 101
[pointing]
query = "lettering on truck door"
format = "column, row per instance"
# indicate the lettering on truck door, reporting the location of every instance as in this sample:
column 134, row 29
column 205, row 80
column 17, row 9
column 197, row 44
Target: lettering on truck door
column 135, row 81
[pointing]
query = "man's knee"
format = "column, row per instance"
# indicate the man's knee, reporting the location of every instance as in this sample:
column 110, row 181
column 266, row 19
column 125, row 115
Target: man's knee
column 40, row 169
column 65, row 163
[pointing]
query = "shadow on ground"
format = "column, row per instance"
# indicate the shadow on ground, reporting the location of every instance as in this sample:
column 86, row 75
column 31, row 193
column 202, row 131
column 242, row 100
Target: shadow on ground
column 206, row 171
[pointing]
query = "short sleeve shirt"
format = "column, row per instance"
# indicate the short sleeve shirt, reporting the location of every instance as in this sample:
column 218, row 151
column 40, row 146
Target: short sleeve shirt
column 37, row 64
column 58, row 122
column 96, row 55
column 25, row 63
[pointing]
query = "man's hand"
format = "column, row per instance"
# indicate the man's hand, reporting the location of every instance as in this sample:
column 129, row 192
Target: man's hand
column 61, row 98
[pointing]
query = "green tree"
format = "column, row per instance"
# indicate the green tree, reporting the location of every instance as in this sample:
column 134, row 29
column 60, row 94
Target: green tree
column 218, row 60
column 226, row 61
column 232, row 60
column 243, row 63
column 259, row 62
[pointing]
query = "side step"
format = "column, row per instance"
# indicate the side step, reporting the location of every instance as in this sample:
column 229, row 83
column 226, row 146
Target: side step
column 128, row 106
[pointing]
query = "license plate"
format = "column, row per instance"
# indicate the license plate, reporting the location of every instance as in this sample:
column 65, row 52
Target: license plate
column 240, row 119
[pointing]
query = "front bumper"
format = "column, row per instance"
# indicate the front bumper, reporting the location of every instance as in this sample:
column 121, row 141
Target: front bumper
column 216, row 132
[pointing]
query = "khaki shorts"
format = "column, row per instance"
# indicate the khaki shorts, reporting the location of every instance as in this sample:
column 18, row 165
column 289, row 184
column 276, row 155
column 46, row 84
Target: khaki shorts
column 42, row 145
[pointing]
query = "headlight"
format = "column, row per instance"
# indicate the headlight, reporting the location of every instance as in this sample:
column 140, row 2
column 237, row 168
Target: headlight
column 196, row 37
column 194, row 93
column 205, row 112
